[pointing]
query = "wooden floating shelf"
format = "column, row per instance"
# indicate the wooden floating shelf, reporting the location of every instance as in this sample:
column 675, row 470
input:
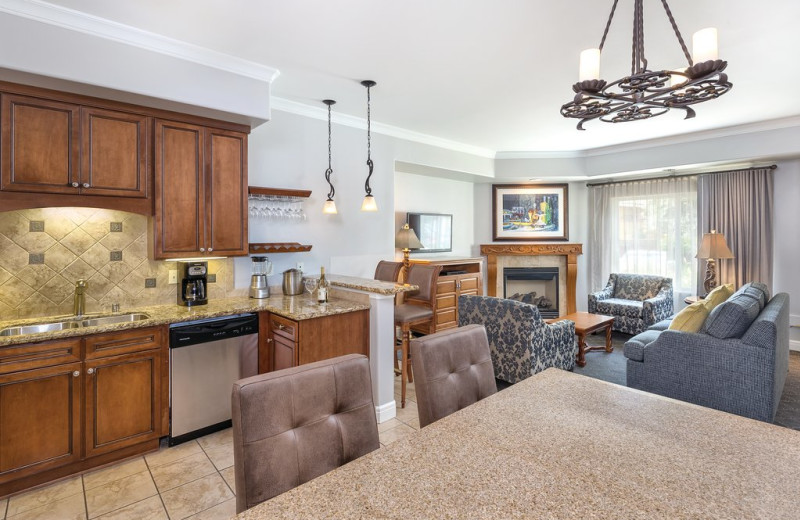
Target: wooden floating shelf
column 278, row 247
column 278, row 192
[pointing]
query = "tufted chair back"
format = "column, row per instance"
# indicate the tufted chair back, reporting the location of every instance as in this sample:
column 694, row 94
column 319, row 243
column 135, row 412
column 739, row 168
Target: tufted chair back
column 453, row 370
column 293, row 425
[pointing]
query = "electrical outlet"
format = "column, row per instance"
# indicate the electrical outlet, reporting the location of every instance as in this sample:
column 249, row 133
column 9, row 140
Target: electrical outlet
column 300, row 265
column 173, row 276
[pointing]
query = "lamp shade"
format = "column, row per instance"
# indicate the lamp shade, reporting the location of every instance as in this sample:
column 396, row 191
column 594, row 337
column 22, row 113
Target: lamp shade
column 407, row 239
column 713, row 245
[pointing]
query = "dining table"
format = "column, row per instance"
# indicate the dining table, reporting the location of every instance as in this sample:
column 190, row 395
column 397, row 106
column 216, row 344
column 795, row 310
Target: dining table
column 563, row 445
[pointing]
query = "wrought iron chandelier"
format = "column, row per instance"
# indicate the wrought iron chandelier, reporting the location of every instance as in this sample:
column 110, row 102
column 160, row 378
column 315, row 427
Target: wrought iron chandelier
column 645, row 93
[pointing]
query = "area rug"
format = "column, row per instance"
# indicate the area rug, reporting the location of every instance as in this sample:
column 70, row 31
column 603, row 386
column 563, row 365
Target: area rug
column 611, row 367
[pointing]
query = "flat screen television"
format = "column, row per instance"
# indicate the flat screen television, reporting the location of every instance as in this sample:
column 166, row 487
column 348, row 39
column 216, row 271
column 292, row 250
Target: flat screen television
column 434, row 230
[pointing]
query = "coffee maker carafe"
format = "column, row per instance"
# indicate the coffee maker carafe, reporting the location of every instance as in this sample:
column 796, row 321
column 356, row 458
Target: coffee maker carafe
column 192, row 287
column 259, row 285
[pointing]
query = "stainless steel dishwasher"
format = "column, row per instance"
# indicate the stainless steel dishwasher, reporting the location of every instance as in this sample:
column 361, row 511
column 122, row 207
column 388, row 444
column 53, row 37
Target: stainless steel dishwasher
column 206, row 357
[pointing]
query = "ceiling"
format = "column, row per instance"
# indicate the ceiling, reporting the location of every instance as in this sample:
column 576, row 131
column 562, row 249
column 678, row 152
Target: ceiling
column 485, row 73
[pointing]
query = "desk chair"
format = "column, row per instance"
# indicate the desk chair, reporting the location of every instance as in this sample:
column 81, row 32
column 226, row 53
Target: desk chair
column 293, row 425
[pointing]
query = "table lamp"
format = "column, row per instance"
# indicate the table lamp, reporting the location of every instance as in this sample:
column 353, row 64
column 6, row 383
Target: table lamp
column 712, row 246
column 406, row 240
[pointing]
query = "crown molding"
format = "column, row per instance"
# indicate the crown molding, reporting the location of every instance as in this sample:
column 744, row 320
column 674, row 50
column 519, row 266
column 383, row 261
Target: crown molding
column 107, row 29
column 293, row 107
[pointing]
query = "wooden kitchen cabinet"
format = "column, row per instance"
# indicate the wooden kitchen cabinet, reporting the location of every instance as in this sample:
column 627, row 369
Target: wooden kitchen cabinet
column 69, row 405
column 200, row 191
column 123, row 391
column 52, row 147
column 458, row 277
column 285, row 343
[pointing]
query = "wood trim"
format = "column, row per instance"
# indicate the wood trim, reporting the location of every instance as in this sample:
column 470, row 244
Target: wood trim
column 278, row 192
column 570, row 251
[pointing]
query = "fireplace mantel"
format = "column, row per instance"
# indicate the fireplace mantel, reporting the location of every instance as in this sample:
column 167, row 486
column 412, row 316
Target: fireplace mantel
column 570, row 251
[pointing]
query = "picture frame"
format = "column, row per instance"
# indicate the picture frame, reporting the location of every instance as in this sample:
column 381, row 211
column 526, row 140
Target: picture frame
column 530, row 212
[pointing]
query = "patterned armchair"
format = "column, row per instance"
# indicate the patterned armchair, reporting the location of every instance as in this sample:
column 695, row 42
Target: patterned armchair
column 520, row 342
column 636, row 301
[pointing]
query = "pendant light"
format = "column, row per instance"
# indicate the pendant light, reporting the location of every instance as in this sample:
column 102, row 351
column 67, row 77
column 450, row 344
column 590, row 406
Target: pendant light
column 369, row 203
column 329, row 207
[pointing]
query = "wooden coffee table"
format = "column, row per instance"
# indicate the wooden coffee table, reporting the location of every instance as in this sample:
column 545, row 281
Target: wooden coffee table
column 586, row 323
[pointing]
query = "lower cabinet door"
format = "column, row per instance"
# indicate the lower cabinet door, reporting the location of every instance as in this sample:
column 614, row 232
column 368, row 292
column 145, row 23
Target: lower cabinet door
column 40, row 423
column 283, row 353
column 123, row 401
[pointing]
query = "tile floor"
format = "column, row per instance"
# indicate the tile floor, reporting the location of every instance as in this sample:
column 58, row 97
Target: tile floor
column 194, row 480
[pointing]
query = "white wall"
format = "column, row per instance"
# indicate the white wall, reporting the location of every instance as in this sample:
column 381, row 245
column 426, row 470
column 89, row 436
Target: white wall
column 786, row 274
column 435, row 195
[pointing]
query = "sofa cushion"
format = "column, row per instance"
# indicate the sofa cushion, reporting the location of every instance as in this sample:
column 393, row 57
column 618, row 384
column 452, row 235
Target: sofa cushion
column 620, row 307
column 661, row 325
column 634, row 347
column 756, row 290
column 718, row 295
column 692, row 317
column 733, row 317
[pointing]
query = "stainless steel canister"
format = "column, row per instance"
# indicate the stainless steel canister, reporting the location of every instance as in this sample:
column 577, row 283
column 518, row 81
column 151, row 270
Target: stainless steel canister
column 292, row 282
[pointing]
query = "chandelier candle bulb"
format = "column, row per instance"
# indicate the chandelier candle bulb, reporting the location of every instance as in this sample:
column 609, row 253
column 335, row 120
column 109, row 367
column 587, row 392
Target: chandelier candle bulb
column 589, row 65
column 704, row 45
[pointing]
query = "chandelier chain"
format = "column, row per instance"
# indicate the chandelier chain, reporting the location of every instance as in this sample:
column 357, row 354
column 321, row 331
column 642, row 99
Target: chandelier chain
column 329, row 171
column 677, row 33
column 608, row 25
column 329, row 137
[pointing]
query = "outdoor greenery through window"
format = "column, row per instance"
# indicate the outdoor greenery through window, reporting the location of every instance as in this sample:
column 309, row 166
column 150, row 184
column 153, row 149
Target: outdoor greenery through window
column 647, row 227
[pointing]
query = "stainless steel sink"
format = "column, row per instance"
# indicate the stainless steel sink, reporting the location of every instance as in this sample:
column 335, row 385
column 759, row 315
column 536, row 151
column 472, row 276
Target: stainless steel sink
column 73, row 323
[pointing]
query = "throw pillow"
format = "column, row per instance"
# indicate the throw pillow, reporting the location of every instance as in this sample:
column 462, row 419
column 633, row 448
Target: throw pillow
column 718, row 295
column 733, row 317
column 691, row 318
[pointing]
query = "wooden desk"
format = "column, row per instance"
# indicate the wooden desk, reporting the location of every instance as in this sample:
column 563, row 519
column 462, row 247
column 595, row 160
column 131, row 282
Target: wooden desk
column 586, row 323
column 562, row 445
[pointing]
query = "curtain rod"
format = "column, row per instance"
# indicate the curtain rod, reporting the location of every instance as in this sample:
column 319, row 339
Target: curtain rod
column 674, row 175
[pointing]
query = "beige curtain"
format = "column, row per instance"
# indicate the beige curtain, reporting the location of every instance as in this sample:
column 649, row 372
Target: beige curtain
column 739, row 205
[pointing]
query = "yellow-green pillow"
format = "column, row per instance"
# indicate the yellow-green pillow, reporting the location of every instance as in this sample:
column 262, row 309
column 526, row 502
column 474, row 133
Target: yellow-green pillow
column 691, row 318
column 718, row 295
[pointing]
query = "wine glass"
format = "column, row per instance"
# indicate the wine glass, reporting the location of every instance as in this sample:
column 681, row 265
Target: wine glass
column 311, row 286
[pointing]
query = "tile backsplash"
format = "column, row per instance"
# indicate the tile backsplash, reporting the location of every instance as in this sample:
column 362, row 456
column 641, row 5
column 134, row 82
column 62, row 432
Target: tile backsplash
column 44, row 251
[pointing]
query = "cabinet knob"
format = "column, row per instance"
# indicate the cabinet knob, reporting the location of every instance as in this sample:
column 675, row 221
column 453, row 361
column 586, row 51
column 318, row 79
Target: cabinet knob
column 77, row 373
column 85, row 184
column 202, row 249
column 269, row 340
column 210, row 249
column 90, row 371
column 281, row 326
column 75, row 184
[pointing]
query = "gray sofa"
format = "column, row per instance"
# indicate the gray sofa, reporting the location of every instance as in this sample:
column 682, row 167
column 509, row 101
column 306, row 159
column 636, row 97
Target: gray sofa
column 736, row 363
column 520, row 342
column 636, row 301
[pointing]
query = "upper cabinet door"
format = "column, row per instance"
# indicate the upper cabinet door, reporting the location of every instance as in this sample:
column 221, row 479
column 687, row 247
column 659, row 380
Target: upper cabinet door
column 179, row 190
column 226, row 192
column 114, row 153
column 40, row 145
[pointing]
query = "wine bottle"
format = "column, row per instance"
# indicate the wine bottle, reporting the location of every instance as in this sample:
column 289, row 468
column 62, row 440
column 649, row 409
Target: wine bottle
column 322, row 289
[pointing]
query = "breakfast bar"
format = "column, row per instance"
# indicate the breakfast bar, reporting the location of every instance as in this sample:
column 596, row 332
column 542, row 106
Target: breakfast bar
column 561, row 445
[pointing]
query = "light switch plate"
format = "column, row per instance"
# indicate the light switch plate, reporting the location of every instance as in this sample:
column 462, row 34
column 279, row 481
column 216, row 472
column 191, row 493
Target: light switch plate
column 173, row 276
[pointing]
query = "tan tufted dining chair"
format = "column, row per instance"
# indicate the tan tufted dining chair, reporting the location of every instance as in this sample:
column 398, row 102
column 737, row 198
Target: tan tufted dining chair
column 453, row 370
column 293, row 425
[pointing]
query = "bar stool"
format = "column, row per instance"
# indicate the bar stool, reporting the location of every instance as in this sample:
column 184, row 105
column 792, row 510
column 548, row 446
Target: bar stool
column 417, row 308
column 388, row 271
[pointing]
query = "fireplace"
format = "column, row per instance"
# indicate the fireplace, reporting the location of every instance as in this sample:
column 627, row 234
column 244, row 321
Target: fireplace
column 534, row 285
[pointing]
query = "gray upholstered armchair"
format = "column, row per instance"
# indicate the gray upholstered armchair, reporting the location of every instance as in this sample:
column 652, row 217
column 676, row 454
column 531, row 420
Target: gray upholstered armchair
column 636, row 301
column 521, row 343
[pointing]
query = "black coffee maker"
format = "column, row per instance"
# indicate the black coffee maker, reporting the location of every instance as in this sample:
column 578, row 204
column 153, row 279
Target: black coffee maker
column 193, row 282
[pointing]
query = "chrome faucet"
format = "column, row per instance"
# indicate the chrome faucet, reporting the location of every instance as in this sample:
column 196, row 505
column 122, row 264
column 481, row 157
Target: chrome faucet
column 80, row 298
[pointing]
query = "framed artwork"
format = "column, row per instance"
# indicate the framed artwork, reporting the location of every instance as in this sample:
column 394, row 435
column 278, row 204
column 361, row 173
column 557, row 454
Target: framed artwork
column 529, row 212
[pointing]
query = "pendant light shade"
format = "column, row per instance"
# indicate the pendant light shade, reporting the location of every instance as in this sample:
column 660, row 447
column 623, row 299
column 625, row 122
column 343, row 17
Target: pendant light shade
column 369, row 203
column 329, row 208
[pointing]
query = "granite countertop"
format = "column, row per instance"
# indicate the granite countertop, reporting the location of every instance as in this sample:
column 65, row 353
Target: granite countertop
column 562, row 445
column 366, row 284
column 296, row 308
